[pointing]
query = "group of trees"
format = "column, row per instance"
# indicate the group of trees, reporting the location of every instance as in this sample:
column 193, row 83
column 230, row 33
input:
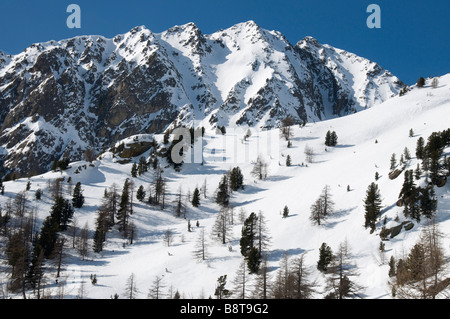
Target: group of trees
column 292, row 279
column 420, row 273
column 29, row 250
column 339, row 270
column 254, row 240
column 331, row 138
column 232, row 181
column 323, row 207
column 417, row 201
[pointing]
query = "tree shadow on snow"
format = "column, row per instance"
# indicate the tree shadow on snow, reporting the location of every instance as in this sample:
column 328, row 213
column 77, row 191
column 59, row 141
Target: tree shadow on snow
column 277, row 254
column 339, row 214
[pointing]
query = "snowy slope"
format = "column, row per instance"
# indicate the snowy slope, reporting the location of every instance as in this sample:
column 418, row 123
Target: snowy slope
column 366, row 141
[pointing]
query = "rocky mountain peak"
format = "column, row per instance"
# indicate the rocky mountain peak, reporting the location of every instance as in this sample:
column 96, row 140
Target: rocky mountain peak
column 90, row 91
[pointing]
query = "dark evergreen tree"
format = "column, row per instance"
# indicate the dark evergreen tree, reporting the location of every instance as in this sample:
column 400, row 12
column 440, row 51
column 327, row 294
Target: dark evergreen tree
column 372, row 205
column 61, row 213
column 221, row 292
column 140, row 194
column 285, row 211
column 196, row 198
column 223, row 193
column 38, row 194
column 417, row 172
column 253, row 260
column 420, row 148
column 408, row 189
column 288, row 160
column 410, row 195
column 102, row 227
column 334, row 138
column 134, row 170
column 392, row 270
column 77, row 198
column 393, row 162
column 420, row 82
column 428, row 202
column 142, row 166
column 248, row 243
column 328, row 138
column 331, row 138
column 236, row 179
column 325, row 257
column 248, row 234
column 124, row 207
column 47, row 238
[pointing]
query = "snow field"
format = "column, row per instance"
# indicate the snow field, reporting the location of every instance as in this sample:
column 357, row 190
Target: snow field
column 353, row 162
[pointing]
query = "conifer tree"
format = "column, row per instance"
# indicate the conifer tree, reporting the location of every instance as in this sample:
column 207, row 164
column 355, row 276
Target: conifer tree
column 428, row 202
column 248, row 234
column 140, row 194
column 288, row 161
column 61, row 213
column 123, row 212
column 334, row 138
column 325, row 257
column 78, row 198
column 328, row 138
column 372, row 205
column 142, row 166
column 393, row 162
column 248, row 242
column 223, row 195
column 236, row 179
column 134, row 170
column 196, row 198
column 221, row 292
column 285, row 211
column 101, row 229
column 420, row 82
column 420, row 148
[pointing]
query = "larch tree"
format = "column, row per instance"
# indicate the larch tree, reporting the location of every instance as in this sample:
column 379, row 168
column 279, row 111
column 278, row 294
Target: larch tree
column 322, row 207
column 339, row 274
column 302, row 287
column 201, row 251
column 260, row 168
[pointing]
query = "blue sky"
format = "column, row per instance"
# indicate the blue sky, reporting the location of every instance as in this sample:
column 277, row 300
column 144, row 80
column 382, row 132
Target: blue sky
column 413, row 41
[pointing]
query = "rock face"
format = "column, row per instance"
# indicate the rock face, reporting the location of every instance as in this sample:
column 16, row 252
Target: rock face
column 61, row 97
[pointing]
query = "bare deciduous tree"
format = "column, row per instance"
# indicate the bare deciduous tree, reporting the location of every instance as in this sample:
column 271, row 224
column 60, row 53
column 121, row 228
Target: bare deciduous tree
column 131, row 288
column 309, row 153
column 200, row 252
column 155, row 292
column 260, row 168
column 339, row 272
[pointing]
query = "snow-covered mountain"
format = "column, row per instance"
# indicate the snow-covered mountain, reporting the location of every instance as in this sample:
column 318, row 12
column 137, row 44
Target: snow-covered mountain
column 366, row 142
column 61, row 97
